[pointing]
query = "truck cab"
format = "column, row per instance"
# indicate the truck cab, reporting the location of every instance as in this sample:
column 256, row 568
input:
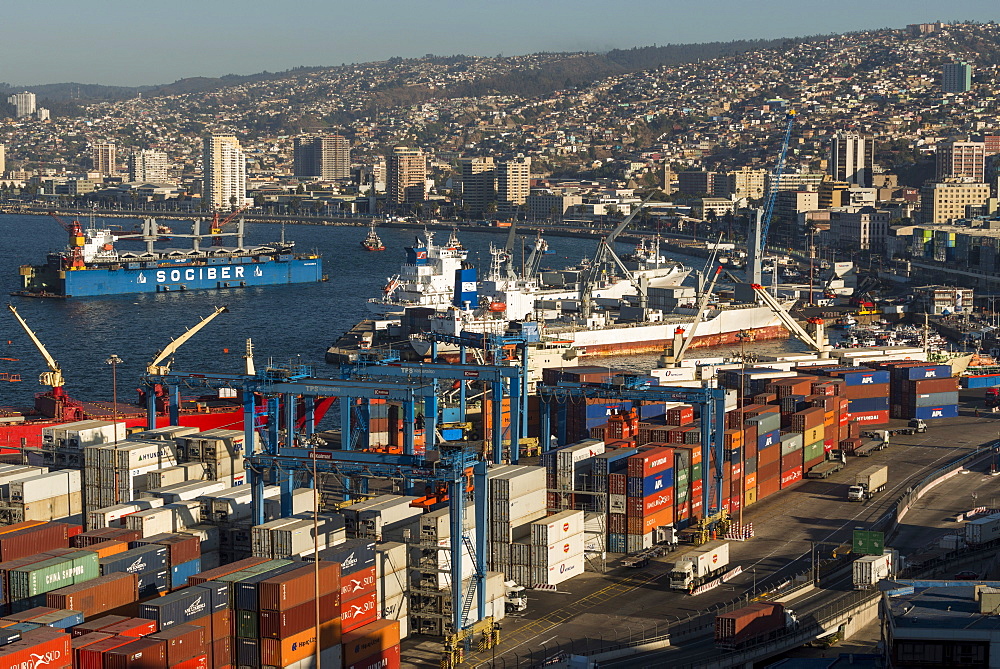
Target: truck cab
column 857, row 493
column 918, row 424
column 515, row 600
column 682, row 575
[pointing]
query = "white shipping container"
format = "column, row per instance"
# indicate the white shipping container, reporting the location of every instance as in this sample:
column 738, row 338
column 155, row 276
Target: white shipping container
column 151, row 521
column 982, row 530
column 162, row 477
column 564, row 570
column 134, row 455
column 531, row 504
column 302, row 502
column 436, row 525
column 556, row 527
column 45, row 486
column 209, row 535
column 166, row 433
column 516, row 481
column 300, row 538
column 616, row 504
column 260, row 535
column 111, row 516
column 17, row 473
column 53, row 508
column 186, row 514
column 557, row 551
column 97, row 432
column 188, row 491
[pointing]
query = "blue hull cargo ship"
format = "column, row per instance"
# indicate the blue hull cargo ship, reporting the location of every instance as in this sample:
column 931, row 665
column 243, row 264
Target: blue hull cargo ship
column 92, row 265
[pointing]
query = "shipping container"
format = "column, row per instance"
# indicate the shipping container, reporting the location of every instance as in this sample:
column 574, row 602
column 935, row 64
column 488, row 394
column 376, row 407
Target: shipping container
column 283, row 624
column 371, row 639
column 96, row 596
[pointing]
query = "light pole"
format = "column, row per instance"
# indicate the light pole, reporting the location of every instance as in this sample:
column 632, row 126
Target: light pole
column 114, row 361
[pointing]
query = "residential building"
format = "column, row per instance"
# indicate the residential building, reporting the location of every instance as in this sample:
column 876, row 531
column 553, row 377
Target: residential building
column 24, row 104
column 956, row 77
column 785, row 219
column 952, row 199
column 744, row 183
column 547, row 204
column 992, row 143
column 148, row 165
column 43, row 114
column 3, row 160
column 479, row 184
column 324, row 156
column 864, row 228
column 513, row 182
column 795, row 181
column 852, row 158
column 833, row 194
column 406, row 178
column 959, row 158
column 225, row 172
column 712, row 207
column 694, row 182
column 105, row 155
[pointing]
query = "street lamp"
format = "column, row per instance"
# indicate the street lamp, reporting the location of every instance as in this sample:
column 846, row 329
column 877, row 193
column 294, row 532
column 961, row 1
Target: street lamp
column 114, row 361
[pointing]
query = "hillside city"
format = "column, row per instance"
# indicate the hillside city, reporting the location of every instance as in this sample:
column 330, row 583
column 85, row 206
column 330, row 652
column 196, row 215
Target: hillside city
column 901, row 120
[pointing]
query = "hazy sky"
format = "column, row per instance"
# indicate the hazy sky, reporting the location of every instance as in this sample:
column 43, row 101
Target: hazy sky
column 147, row 42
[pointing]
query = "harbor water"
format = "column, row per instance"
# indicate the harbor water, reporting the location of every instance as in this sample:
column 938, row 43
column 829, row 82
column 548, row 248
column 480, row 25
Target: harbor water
column 287, row 323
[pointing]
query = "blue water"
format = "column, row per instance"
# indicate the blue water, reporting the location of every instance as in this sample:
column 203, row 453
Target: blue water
column 287, row 323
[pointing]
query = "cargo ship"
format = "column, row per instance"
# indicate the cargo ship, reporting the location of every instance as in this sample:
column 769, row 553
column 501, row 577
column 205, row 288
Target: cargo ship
column 92, row 265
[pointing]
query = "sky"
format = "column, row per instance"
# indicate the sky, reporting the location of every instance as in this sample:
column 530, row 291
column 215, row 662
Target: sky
column 146, row 42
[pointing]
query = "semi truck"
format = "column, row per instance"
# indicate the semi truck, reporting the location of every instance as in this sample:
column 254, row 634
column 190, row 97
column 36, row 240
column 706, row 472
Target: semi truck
column 834, row 463
column 982, row 530
column 868, row 482
column 700, row 565
column 867, row 571
column 753, row 624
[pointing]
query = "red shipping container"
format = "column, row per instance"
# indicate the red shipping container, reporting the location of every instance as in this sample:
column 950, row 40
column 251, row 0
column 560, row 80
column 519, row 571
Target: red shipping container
column 92, row 537
column 360, row 612
column 369, row 640
column 200, row 662
column 617, row 484
column 222, row 652
column 33, row 540
column 142, row 653
column 181, row 548
column 221, row 625
column 357, row 584
column 92, row 656
column 97, row 624
column 871, row 418
column 226, row 569
column 768, row 456
column 697, row 498
column 282, row 624
column 132, row 627
column 651, row 462
column 98, row 595
column 295, row 587
column 24, row 616
column 298, row 647
column 42, row 648
column 183, row 642
column 386, row 659
column 771, row 470
column 767, row 487
column 617, row 523
column 84, row 640
column 680, row 415
column 790, row 477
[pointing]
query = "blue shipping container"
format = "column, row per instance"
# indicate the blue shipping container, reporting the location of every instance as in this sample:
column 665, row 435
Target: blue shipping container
column 216, row 595
column 983, row 381
column 353, row 555
column 865, row 377
column 617, row 543
column 928, row 372
column 177, row 607
column 930, row 413
column 153, row 582
column 644, row 487
column 768, row 439
column 142, row 559
column 868, row 404
column 180, row 574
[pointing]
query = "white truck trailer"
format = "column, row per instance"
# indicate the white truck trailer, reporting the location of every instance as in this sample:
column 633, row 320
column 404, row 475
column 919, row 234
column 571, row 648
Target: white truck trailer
column 868, row 482
column 867, row 571
column 700, row 565
column 982, row 530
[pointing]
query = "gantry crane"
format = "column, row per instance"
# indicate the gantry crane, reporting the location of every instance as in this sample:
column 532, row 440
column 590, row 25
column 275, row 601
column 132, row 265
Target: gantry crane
column 706, row 294
column 76, row 240
column 55, row 402
column 219, row 223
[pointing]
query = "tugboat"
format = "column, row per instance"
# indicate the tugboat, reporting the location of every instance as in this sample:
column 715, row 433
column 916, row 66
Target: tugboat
column 372, row 241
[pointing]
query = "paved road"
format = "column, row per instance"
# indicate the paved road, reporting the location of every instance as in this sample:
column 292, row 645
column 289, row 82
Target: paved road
column 624, row 603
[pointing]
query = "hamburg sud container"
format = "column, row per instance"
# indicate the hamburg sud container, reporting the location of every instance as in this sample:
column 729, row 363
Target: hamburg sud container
column 42, row 648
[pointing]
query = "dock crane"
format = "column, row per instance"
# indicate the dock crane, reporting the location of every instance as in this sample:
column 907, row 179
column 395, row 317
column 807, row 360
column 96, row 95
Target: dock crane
column 76, row 241
column 156, row 396
column 604, row 250
column 818, row 343
column 219, row 223
column 54, row 403
column 534, row 262
column 706, row 294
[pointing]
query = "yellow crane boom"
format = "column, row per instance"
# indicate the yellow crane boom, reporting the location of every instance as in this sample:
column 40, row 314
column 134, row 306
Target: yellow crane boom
column 155, row 367
column 52, row 378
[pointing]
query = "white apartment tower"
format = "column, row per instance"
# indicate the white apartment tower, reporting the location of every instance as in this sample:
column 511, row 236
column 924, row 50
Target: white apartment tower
column 105, row 156
column 852, row 158
column 148, row 165
column 958, row 158
column 225, row 172
column 24, row 104
column 406, row 177
column 3, row 160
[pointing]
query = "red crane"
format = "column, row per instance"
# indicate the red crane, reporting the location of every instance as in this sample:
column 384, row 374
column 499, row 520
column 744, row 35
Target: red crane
column 218, row 224
column 76, row 240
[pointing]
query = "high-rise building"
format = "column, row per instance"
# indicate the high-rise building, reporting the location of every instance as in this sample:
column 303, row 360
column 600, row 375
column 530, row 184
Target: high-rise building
column 958, row 158
column 513, row 182
column 24, row 104
column 952, row 199
column 105, row 156
column 852, row 158
column 956, row 77
column 479, row 184
column 225, row 172
column 323, row 156
column 148, row 165
column 696, row 182
column 406, row 176
column 3, row 160
column 738, row 184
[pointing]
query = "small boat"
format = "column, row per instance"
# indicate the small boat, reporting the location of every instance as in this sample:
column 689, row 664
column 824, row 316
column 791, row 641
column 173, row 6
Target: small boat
column 372, row 241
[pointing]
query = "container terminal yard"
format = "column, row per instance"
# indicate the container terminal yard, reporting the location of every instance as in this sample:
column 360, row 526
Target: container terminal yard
column 418, row 532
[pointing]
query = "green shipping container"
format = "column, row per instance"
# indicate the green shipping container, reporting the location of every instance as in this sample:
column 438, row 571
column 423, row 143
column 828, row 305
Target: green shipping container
column 696, row 472
column 48, row 575
column 813, row 451
column 682, row 485
column 246, row 624
column 247, row 573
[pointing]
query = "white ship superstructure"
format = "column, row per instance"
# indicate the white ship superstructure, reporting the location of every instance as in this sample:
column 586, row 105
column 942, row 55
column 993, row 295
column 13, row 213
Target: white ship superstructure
column 426, row 279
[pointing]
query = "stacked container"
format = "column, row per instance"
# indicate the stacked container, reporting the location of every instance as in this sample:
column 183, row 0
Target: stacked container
column 220, row 451
column 115, row 473
column 557, row 548
column 150, row 565
column 649, row 497
column 517, row 498
column 924, row 391
column 50, row 496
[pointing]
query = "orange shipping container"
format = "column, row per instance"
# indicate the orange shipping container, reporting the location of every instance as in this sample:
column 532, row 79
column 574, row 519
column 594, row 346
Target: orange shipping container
column 750, row 481
column 283, row 652
column 658, row 519
column 108, row 548
column 369, row 640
